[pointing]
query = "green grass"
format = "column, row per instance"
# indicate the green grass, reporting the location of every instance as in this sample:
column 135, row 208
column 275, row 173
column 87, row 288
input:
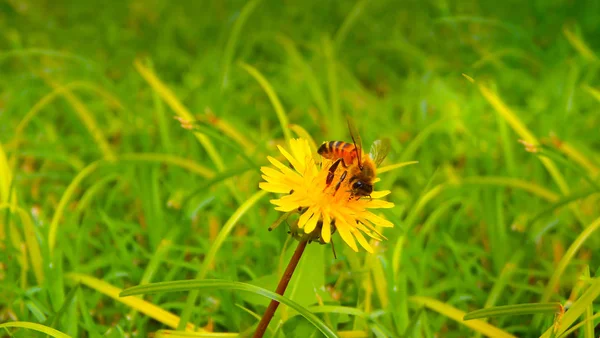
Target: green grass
column 101, row 189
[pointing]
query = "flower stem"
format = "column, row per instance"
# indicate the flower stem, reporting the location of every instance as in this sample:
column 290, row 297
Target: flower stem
column 283, row 283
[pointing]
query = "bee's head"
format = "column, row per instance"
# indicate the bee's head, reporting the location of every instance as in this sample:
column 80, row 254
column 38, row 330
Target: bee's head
column 362, row 188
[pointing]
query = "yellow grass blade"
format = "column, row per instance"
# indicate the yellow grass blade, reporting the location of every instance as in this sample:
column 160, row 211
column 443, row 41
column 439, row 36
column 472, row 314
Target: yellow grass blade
column 567, row 257
column 5, row 178
column 184, row 334
column 136, row 303
column 5, row 188
column 575, row 311
column 170, row 159
column 167, row 95
column 65, row 198
column 353, row 334
column 394, row 166
column 574, row 154
column 87, row 117
column 512, row 183
column 457, row 315
column 228, row 129
column 266, row 86
column 35, row 327
column 592, row 91
column 33, row 246
column 523, row 132
column 580, row 45
column 50, row 97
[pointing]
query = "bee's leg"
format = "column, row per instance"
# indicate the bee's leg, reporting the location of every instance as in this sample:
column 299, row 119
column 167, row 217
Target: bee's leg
column 331, row 173
column 337, row 186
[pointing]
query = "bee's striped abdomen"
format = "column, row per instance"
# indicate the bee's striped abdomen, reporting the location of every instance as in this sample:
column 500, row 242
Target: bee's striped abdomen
column 334, row 150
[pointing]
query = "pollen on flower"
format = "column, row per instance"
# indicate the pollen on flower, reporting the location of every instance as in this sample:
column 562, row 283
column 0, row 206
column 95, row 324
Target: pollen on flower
column 323, row 210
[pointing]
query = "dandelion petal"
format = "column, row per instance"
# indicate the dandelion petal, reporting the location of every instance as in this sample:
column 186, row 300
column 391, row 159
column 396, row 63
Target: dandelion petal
column 378, row 220
column 363, row 242
column 311, row 224
column 326, row 230
column 380, row 194
column 298, row 166
column 379, row 204
column 305, row 217
column 344, row 230
column 276, row 188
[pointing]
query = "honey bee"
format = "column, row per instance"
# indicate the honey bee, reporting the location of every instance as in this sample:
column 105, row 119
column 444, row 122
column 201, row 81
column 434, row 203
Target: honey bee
column 360, row 167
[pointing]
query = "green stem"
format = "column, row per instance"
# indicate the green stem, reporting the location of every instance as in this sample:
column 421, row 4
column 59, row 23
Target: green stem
column 283, row 283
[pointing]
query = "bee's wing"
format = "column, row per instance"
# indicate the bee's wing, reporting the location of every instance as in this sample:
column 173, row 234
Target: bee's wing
column 355, row 138
column 379, row 150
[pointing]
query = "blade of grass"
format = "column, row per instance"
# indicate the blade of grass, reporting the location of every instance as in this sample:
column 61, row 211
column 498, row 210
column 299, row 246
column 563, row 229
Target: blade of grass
column 215, row 284
column 575, row 155
column 65, row 198
column 417, row 141
column 212, row 253
column 307, row 72
column 36, row 327
column 592, row 91
column 88, row 321
column 161, row 116
column 212, row 181
column 507, row 145
column 556, row 205
column 169, row 97
column 518, row 126
column 5, row 179
column 91, row 193
column 86, row 117
column 395, row 166
column 511, row 183
column 157, row 258
column 181, row 334
column 139, row 304
column 353, row 334
column 577, row 326
column 232, row 42
column 513, row 310
column 580, row 46
column 349, row 21
column 54, row 320
column 566, row 259
column 553, row 154
column 229, row 130
column 182, row 162
column 562, row 265
column 457, row 315
column 588, row 329
column 375, row 264
column 332, row 78
column 505, row 276
column 142, row 157
column 576, row 310
column 221, row 139
column 47, row 52
column 33, row 246
column 266, row 86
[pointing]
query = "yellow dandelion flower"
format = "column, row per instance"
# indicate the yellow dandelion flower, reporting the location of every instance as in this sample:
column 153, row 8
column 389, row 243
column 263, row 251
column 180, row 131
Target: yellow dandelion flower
column 321, row 208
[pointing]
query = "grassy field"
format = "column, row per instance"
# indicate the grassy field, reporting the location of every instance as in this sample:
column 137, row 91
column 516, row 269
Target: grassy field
column 102, row 189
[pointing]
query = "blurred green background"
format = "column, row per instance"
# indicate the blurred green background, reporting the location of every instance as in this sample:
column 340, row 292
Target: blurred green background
column 102, row 189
